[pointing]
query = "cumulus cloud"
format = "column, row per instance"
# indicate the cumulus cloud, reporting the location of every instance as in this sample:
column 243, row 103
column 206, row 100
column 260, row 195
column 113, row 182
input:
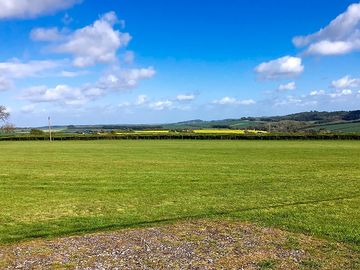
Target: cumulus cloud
column 287, row 87
column 340, row 93
column 140, row 101
column 161, row 105
column 185, row 97
column 317, row 93
column 319, row 99
column 233, row 101
column 291, row 100
column 61, row 94
column 68, row 95
column 96, row 43
column 326, row 47
column 126, row 79
column 341, row 36
column 18, row 69
column 345, row 82
column 15, row 69
column 90, row 45
column 283, row 67
column 32, row 8
column 336, row 94
column 144, row 102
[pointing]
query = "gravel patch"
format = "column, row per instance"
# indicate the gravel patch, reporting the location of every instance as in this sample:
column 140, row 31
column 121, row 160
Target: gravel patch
column 201, row 244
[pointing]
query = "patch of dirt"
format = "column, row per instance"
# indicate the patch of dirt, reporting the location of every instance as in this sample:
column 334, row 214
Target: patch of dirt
column 200, row 244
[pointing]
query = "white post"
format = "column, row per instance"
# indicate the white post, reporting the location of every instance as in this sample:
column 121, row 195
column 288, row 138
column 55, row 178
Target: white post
column 50, row 128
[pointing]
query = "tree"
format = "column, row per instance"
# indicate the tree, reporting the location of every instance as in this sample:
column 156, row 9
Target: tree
column 4, row 114
column 36, row 132
column 8, row 128
column 351, row 116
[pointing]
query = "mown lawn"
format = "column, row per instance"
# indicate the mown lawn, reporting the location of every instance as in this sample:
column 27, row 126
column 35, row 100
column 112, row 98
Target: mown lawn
column 49, row 189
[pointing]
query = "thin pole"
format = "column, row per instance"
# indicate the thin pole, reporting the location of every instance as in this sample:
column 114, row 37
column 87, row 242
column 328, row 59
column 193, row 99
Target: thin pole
column 50, row 128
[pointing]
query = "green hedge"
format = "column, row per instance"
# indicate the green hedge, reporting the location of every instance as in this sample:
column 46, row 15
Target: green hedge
column 179, row 136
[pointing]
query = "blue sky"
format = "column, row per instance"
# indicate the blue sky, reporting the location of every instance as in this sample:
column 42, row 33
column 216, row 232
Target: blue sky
column 139, row 61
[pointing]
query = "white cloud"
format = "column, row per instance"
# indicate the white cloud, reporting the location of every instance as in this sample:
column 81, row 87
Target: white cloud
column 326, row 47
column 126, row 79
column 340, row 93
column 185, row 97
column 32, row 8
column 246, row 102
column 97, row 43
column 317, row 93
column 141, row 99
column 68, row 95
column 17, row 69
column 132, row 76
column 346, row 82
column 161, row 105
column 287, row 87
column 62, row 94
column 46, row 34
column 289, row 100
column 319, row 98
column 283, row 67
column 341, row 36
column 225, row 101
column 233, row 101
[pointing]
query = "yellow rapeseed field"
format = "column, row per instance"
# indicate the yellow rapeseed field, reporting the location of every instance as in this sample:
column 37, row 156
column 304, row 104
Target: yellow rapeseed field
column 227, row 131
column 151, row 131
column 201, row 131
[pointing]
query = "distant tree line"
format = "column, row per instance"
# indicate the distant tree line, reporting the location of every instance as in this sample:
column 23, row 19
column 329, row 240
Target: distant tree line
column 314, row 116
column 75, row 128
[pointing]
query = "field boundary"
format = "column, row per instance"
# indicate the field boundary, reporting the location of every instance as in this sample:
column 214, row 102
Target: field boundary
column 180, row 136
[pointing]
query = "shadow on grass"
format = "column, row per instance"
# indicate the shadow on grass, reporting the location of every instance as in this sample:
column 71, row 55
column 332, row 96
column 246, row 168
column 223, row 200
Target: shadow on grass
column 81, row 225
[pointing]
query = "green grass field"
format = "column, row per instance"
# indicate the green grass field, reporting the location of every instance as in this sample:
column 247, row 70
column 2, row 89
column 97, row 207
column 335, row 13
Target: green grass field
column 49, row 189
column 339, row 127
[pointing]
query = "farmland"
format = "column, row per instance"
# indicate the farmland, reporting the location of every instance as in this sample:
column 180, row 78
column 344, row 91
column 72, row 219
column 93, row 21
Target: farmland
column 342, row 127
column 59, row 188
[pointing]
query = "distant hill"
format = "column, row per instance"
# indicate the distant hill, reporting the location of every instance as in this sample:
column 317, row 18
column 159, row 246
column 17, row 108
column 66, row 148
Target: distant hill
column 339, row 121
